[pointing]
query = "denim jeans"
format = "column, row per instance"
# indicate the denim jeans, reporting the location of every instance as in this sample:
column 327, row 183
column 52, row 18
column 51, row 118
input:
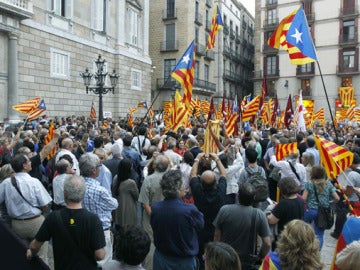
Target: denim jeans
column 309, row 217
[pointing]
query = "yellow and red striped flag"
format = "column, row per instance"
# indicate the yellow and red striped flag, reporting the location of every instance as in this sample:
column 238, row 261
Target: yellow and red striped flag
column 151, row 112
column 205, row 106
column 230, row 123
column 27, row 106
column 180, row 113
column 49, row 137
column 105, row 124
column 333, row 157
column 92, row 111
column 216, row 24
column 283, row 150
column 350, row 113
column 251, row 109
column 184, row 73
column 320, row 116
column 36, row 112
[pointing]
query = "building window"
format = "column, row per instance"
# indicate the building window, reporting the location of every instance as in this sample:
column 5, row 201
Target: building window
column 169, row 64
column 271, row 2
column 206, row 73
column 307, row 68
column 133, row 26
column 271, row 16
column 170, row 8
column 306, row 87
column 135, row 79
column 59, row 64
column 99, row 8
column 197, row 36
column 59, row 7
column 348, row 31
column 170, row 36
column 271, row 65
column 197, row 71
column 348, row 59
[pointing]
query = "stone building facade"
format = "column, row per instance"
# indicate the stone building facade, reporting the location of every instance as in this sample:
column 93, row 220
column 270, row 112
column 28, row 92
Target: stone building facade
column 45, row 45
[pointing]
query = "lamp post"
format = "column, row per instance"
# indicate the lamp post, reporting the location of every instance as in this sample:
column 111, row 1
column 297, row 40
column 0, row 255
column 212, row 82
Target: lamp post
column 100, row 89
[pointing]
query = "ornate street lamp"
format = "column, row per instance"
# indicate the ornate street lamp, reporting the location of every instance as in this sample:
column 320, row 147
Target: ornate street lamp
column 100, row 88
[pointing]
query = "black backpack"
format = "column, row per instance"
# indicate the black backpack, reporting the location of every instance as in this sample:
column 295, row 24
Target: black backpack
column 260, row 184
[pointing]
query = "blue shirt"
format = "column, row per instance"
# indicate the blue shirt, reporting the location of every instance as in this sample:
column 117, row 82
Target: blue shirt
column 175, row 225
column 315, row 153
column 99, row 201
column 105, row 178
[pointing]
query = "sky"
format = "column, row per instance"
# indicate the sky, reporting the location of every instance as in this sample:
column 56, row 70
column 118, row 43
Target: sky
column 250, row 6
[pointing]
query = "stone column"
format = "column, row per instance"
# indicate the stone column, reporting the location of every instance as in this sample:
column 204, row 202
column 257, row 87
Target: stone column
column 12, row 77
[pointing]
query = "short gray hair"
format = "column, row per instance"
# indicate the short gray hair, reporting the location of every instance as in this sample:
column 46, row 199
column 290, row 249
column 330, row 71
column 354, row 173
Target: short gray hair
column 87, row 163
column 74, row 189
column 62, row 165
column 171, row 183
column 161, row 163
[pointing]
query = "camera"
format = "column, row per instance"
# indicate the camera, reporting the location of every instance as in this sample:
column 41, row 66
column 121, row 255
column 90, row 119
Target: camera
column 207, row 156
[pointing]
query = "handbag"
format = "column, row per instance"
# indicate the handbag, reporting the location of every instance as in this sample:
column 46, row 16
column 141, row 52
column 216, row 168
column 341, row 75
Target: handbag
column 325, row 217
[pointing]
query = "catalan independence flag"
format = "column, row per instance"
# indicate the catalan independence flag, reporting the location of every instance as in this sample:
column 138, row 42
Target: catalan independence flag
column 333, row 157
column 320, row 116
column 285, row 149
column 271, row 262
column 294, row 36
column 36, row 112
column 27, row 106
column 184, row 73
column 142, row 104
column 216, row 24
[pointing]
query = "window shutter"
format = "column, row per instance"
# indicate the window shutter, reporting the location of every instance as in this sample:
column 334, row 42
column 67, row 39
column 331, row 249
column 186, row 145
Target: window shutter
column 356, row 59
column 68, row 8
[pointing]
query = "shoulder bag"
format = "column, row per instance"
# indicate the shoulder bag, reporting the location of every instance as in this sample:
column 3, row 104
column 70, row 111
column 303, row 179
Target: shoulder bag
column 14, row 183
column 325, row 216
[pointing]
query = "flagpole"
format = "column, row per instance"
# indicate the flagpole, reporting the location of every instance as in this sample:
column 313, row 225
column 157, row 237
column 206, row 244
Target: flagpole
column 327, row 99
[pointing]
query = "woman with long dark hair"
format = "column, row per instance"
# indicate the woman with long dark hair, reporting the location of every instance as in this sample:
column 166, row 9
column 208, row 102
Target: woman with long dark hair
column 126, row 192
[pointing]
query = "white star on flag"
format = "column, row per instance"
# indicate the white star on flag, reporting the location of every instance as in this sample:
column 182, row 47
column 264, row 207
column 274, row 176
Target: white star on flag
column 297, row 36
column 186, row 59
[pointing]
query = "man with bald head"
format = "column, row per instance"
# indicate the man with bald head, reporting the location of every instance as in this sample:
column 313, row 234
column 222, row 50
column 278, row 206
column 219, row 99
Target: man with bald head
column 67, row 146
column 209, row 196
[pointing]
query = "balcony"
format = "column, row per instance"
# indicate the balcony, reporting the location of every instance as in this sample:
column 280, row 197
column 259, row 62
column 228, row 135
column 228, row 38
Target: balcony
column 305, row 70
column 169, row 46
column 250, row 31
column 167, row 84
column 251, row 47
column 209, row 3
column 349, row 12
column 244, row 24
column 244, row 42
column 226, row 29
column 198, row 19
column 345, row 40
column 345, row 71
column 232, row 34
column 270, row 3
column 209, row 55
column 231, row 76
column 200, row 49
column 237, row 39
column 169, row 14
column 22, row 9
column 205, row 86
column 207, row 25
column 270, row 23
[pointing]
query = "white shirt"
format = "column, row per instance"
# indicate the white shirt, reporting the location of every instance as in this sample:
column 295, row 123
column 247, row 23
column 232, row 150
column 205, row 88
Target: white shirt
column 137, row 144
column 58, row 188
column 75, row 166
column 286, row 170
column 31, row 188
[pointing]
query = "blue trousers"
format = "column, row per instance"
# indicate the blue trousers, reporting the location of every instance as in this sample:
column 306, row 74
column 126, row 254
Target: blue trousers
column 162, row 262
column 309, row 217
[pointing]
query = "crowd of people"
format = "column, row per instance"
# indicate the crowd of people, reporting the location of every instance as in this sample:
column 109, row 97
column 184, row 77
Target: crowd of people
column 114, row 196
